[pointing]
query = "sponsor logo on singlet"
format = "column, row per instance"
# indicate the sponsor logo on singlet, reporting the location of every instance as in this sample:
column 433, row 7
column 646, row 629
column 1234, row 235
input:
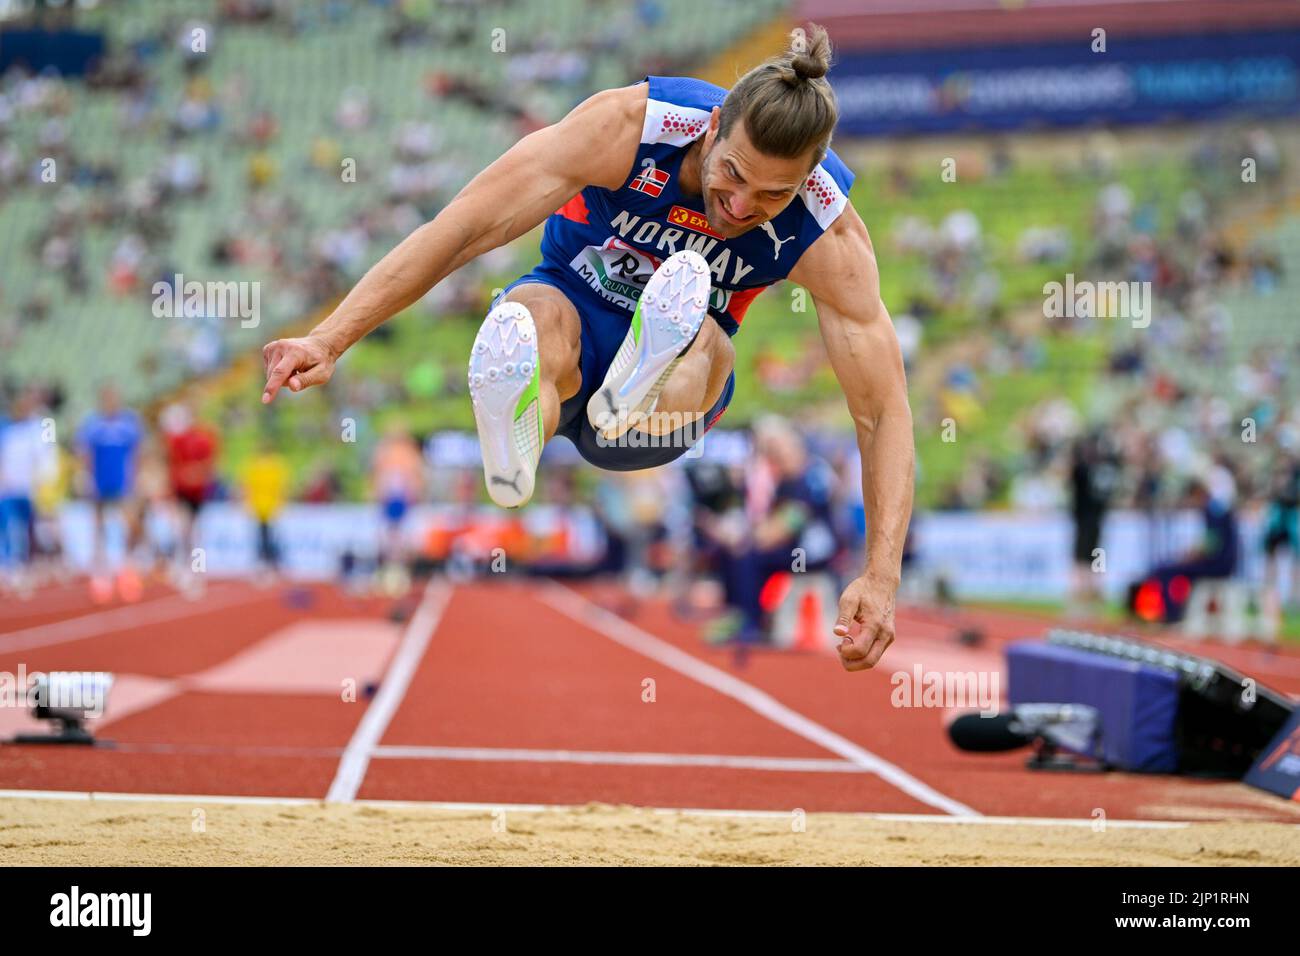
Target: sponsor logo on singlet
column 615, row 270
column 617, row 273
column 681, row 216
column 618, row 267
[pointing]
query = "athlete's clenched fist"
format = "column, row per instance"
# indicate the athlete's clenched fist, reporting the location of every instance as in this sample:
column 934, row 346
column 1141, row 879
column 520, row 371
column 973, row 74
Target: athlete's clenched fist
column 298, row 363
column 865, row 625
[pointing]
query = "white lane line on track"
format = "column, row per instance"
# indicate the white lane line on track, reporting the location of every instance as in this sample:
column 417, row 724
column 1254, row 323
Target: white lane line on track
column 734, row 762
column 78, row 795
column 574, row 605
column 98, row 623
column 392, row 688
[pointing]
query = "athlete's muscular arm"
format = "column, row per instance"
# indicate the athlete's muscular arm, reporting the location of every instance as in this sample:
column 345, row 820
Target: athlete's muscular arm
column 839, row 270
column 594, row 145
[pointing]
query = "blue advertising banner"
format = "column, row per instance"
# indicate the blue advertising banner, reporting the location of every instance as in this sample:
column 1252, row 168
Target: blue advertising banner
column 70, row 52
column 1144, row 80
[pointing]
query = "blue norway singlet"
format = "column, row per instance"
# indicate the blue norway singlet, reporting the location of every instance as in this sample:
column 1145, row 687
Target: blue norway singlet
column 603, row 245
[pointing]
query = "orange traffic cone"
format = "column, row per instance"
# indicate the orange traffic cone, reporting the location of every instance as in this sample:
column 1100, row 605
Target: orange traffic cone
column 808, row 624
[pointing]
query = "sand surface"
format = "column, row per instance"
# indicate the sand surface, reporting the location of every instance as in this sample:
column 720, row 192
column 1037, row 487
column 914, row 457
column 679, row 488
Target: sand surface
column 102, row 832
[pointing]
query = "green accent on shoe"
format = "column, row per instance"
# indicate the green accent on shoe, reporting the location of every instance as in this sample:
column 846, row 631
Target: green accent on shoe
column 533, row 391
column 636, row 321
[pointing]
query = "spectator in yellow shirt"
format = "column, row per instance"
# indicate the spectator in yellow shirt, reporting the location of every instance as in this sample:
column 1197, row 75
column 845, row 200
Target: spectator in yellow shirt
column 266, row 479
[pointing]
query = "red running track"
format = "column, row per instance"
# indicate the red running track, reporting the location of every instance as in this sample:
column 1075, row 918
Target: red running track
column 529, row 692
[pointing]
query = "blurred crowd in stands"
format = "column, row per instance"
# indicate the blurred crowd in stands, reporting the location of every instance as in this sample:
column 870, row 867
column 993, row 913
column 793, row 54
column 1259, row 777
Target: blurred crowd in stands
column 271, row 231
column 1174, row 398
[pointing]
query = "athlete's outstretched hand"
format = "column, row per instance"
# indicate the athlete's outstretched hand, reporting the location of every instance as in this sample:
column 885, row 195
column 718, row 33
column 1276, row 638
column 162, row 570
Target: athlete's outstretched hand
column 298, row 363
column 865, row 625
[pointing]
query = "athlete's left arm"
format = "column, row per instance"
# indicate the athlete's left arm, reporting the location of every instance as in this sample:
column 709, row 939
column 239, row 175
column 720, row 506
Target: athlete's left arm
column 839, row 271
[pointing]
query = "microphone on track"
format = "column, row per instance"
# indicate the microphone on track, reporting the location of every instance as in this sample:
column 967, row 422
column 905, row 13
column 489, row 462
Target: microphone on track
column 1073, row 727
column 988, row 734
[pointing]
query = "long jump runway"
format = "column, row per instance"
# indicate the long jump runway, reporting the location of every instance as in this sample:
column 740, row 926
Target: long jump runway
column 512, row 694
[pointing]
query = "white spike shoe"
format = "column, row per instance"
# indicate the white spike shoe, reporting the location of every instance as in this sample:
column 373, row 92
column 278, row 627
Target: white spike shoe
column 667, row 318
column 504, row 381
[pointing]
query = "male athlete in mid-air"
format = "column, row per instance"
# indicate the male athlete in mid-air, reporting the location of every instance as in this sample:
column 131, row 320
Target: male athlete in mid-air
column 669, row 205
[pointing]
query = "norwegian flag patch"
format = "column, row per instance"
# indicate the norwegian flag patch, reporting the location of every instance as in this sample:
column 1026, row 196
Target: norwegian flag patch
column 651, row 181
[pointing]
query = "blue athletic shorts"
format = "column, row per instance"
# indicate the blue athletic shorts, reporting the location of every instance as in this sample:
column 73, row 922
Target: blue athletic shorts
column 604, row 327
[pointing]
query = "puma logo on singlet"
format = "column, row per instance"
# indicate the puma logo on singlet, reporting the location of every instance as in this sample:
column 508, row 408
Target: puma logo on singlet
column 776, row 243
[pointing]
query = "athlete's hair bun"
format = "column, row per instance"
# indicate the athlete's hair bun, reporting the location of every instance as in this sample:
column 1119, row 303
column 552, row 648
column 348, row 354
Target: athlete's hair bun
column 787, row 105
column 810, row 53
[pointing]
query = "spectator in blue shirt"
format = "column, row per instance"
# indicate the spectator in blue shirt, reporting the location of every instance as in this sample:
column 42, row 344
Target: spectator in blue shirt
column 108, row 441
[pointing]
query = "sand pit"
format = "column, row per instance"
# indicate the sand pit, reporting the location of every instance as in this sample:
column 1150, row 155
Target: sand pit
column 205, row 833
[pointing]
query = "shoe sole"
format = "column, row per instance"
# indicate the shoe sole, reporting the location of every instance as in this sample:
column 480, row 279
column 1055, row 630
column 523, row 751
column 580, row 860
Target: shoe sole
column 504, row 376
column 668, row 316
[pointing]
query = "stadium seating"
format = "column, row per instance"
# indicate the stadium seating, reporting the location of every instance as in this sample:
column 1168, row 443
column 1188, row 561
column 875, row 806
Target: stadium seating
column 248, row 69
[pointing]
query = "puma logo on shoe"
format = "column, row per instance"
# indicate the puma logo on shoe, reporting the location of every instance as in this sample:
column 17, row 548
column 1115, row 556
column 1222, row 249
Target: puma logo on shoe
column 607, row 419
column 512, row 483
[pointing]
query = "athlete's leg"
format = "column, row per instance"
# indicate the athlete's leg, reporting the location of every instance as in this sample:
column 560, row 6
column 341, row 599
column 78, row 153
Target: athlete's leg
column 559, row 340
column 696, row 383
column 525, row 362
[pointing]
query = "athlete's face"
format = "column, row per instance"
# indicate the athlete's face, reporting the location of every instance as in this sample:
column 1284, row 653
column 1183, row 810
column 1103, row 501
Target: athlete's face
column 742, row 187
